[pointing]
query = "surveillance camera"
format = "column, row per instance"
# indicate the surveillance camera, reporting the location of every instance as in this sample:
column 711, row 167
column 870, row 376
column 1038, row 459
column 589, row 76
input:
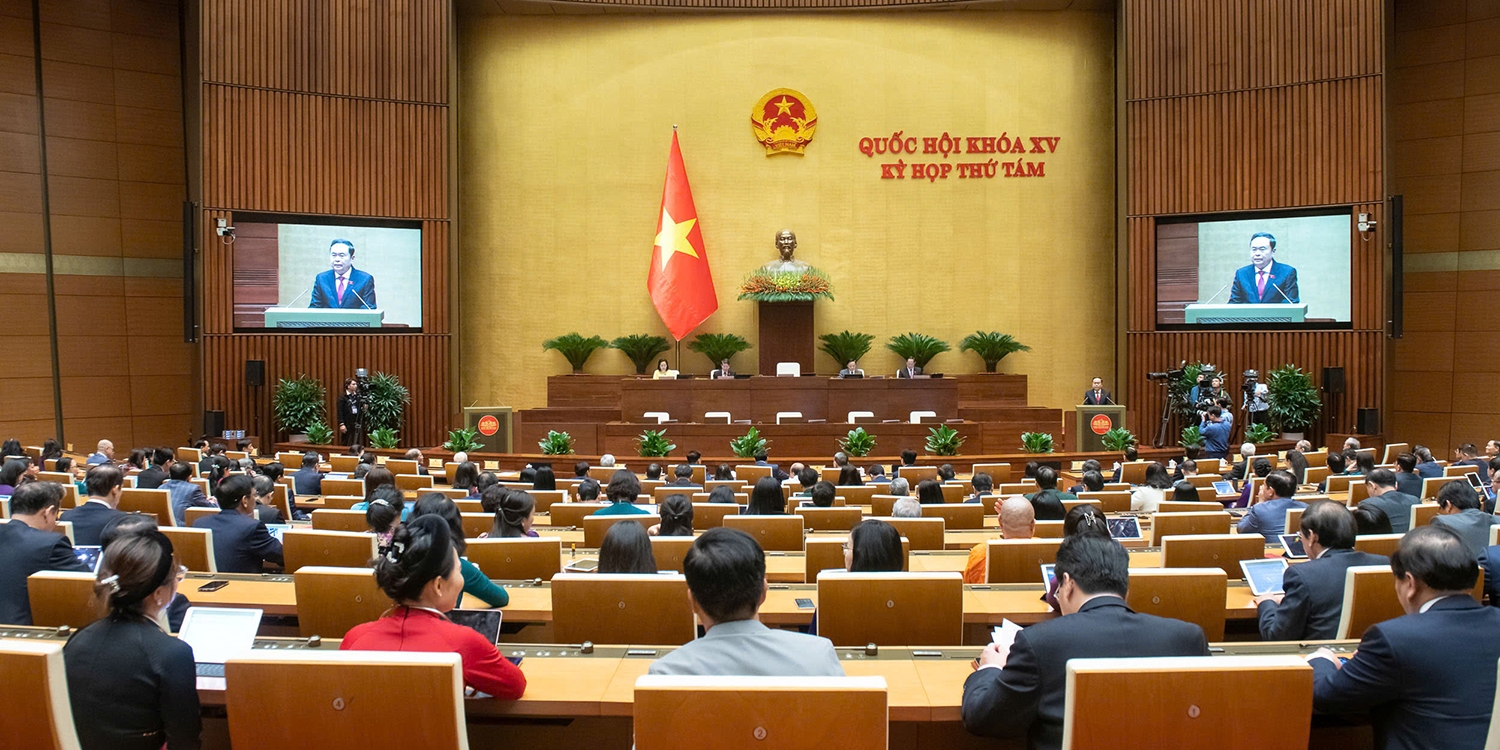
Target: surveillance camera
column 1366, row 223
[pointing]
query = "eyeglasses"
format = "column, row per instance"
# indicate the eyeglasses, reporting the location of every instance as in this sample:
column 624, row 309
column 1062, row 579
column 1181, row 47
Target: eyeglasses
column 182, row 572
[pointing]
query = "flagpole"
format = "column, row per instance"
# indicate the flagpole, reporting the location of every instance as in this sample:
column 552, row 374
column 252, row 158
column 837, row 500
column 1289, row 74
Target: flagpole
column 679, row 341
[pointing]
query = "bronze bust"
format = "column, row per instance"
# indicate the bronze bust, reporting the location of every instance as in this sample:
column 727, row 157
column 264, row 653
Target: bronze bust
column 786, row 245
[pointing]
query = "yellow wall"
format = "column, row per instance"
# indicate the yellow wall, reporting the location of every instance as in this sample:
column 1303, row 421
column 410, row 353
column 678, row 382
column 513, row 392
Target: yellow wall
column 564, row 128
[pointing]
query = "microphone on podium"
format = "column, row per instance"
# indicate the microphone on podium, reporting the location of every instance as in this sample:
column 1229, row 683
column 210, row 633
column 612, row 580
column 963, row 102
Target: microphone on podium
column 1216, row 294
column 300, row 296
column 362, row 301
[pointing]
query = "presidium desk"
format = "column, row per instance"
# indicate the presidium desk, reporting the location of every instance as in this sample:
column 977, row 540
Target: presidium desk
column 606, row 413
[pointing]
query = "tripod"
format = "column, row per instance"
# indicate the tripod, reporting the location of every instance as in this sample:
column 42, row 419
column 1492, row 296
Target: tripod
column 1166, row 418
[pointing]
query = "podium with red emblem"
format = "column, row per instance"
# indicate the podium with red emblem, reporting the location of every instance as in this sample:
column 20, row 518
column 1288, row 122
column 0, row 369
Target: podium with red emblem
column 1093, row 422
column 493, row 425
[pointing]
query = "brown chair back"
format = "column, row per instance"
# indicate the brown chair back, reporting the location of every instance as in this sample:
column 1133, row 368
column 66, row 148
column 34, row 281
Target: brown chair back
column 413, row 482
column 572, row 514
column 194, row 547
column 774, row 533
column 827, row 553
column 710, row 515
column 517, row 558
column 1193, row 595
column 595, row 527
column 678, row 713
column 339, row 549
column 400, row 466
column 333, row 519
column 956, row 516
column 890, row 609
column 648, row 609
column 333, row 486
column 999, row 473
column 155, row 502
column 331, row 600
column 830, row 519
column 37, row 713
column 1379, row 544
column 923, row 533
column 1018, row 560
column 1109, row 502
column 190, row 515
column 62, row 598
column 1222, row 551
column 1181, row 524
column 669, row 551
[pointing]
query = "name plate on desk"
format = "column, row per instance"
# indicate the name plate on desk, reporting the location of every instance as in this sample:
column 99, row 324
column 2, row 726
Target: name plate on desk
column 323, row 317
column 1282, row 313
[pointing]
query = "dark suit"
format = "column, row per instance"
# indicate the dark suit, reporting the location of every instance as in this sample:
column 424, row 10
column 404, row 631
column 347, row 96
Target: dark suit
column 151, row 478
column 23, row 551
column 1314, row 597
column 1410, row 484
column 1027, row 696
column 776, row 471
column 308, row 481
column 1104, row 397
column 1427, row 680
column 716, row 374
column 241, row 543
column 359, row 293
column 905, row 373
column 1396, row 506
column 88, row 521
column 348, row 415
column 1282, row 277
column 1489, row 563
column 132, row 686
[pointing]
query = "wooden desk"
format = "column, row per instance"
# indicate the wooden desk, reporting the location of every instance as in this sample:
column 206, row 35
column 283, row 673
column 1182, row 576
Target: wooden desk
column 760, row 398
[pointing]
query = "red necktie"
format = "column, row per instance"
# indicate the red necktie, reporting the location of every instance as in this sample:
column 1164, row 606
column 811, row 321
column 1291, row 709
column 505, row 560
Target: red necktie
column 1260, row 284
column 342, row 284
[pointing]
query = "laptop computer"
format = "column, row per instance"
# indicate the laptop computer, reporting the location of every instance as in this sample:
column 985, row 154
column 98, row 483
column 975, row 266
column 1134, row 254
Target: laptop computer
column 1264, row 576
column 1124, row 527
column 277, row 530
column 90, row 555
column 218, row 634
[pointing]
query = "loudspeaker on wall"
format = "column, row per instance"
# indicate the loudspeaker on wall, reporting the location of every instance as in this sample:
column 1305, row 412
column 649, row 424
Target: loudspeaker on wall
column 255, row 372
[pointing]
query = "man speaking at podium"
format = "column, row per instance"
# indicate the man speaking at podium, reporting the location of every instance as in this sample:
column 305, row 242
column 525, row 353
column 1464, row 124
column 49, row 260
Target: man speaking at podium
column 1096, row 395
column 1264, row 281
column 343, row 285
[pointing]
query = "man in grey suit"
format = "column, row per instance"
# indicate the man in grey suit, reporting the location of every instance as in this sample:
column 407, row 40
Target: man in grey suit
column 1386, row 495
column 726, row 577
column 1314, row 598
column 1458, row 509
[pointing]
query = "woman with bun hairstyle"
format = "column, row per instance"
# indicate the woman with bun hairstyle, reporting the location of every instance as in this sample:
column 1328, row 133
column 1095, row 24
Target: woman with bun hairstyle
column 513, row 516
column 476, row 583
column 132, row 686
column 421, row 575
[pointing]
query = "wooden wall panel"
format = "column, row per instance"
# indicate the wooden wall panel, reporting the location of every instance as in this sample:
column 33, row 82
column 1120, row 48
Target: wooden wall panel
column 332, row 108
column 384, row 49
column 420, row 360
column 1240, row 105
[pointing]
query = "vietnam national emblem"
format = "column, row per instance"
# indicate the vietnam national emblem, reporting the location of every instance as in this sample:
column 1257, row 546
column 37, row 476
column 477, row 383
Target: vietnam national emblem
column 784, row 122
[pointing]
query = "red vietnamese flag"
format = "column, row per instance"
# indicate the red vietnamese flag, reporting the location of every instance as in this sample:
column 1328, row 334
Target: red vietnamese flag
column 681, row 286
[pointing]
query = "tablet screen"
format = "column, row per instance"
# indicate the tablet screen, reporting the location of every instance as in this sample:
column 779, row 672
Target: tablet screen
column 485, row 622
column 1224, row 488
column 1049, row 575
column 1292, row 543
column 1124, row 528
column 1264, row 576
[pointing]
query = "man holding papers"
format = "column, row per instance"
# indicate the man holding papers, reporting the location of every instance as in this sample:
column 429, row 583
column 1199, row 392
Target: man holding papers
column 1020, row 690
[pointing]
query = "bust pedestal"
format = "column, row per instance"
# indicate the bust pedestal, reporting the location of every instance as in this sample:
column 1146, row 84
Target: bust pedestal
column 786, row 335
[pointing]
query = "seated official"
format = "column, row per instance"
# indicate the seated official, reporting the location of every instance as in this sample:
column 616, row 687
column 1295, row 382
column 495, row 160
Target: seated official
column 1090, row 466
column 851, row 370
column 1458, row 509
column 139, row 523
column 1426, row 680
column 823, row 494
column 873, row 546
column 876, row 474
column 1427, row 467
column 132, row 686
column 722, row 494
column 183, row 493
column 766, row 499
column 1149, row 496
column 514, row 515
column 1267, row 516
column 1017, row 521
column 807, row 476
column 1385, row 495
column 676, row 517
column 156, row 473
column 662, row 372
column 1260, row 467
column 1407, row 478
column 545, row 480
column 466, row 477
column 722, row 371
column 626, row 548
column 930, row 492
column 909, row 370
column 684, row 477
column 104, row 484
column 384, row 513
column 308, row 481
column 623, row 490
column 263, row 492
column 588, row 491
column 899, row 487
column 1297, row 465
column 1468, row 455
column 849, row 477
column 476, row 583
column 1185, row 492
column 241, row 542
column 422, row 574
column 726, row 578
column 1048, row 506
column 1314, row 598
column 1046, row 479
column 29, row 543
column 103, row 453
column 982, row 483
column 1242, row 467
column 1023, row 691
column 12, row 474
column 761, row 459
column 906, row 507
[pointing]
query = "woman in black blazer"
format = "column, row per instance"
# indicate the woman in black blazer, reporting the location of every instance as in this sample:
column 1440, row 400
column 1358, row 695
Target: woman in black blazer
column 131, row 685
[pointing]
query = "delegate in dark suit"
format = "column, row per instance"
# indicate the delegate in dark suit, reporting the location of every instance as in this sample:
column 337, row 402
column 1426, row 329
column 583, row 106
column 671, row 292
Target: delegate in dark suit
column 23, row 551
column 1426, row 679
column 908, row 372
column 241, row 543
column 1097, row 398
column 1396, row 506
column 1027, row 695
column 1314, row 597
column 88, row 520
column 132, row 686
column 1247, row 288
column 151, row 478
column 308, row 481
column 359, row 291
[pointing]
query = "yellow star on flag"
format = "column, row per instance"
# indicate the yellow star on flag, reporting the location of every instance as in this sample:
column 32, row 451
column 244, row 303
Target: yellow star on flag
column 673, row 238
column 784, row 107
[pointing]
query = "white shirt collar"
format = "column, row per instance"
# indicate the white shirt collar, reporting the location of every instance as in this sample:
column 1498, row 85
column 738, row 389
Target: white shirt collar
column 1428, row 604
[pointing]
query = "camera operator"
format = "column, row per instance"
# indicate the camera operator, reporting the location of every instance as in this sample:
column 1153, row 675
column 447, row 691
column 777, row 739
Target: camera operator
column 351, row 412
column 1256, row 398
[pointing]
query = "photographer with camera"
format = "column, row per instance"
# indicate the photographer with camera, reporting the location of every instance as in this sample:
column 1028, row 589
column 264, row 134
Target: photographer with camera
column 1257, row 403
column 352, row 408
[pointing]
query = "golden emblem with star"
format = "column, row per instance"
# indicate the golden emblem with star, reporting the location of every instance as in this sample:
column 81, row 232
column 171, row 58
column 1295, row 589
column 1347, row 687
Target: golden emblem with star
column 784, row 122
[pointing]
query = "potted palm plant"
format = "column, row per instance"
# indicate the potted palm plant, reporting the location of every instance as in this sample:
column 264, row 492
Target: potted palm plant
column 575, row 348
column 991, row 346
column 556, row 443
column 641, row 348
column 1295, row 403
column 857, row 443
column 917, row 346
column 297, row 404
column 748, row 444
column 943, row 441
column 388, row 402
column 463, row 440
column 846, row 346
column 718, row 346
column 654, row 444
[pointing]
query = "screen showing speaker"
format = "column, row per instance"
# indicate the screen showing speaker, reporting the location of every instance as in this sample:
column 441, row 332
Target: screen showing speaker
column 300, row 273
column 1288, row 269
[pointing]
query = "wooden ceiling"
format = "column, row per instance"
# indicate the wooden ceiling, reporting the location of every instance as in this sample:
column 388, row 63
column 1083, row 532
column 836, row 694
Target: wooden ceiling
column 573, row 7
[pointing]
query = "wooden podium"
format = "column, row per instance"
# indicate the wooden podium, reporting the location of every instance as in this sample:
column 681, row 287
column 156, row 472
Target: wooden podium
column 786, row 335
column 1093, row 422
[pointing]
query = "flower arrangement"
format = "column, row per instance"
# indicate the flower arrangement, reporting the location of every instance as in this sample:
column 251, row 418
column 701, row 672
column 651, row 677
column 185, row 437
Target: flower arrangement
column 786, row 286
